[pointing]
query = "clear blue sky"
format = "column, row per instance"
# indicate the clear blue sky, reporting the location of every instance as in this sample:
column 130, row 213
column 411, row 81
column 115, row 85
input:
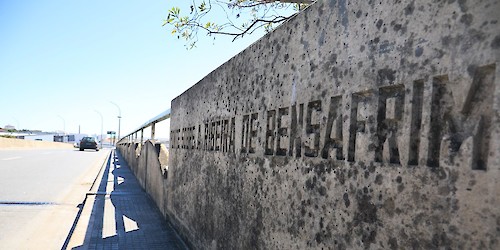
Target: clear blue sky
column 60, row 61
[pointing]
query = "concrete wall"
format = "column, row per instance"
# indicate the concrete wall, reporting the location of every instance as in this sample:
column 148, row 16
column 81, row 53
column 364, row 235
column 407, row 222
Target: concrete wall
column 358, row 124
column 10, row 143
column 144, row 161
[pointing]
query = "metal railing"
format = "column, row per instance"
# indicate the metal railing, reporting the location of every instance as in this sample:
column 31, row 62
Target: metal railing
column 132, row 137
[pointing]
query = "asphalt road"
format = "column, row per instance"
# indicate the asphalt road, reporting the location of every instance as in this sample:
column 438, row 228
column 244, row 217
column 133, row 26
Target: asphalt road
column 40, row 190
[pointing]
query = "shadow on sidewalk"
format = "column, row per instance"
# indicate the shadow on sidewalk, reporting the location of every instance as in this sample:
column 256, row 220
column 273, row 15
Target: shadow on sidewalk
column 124, row 217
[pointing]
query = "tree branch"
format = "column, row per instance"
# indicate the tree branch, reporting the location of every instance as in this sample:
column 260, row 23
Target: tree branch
column 250, row 15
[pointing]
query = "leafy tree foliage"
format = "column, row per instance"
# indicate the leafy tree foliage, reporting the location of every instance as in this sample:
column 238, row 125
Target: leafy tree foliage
column 234, row 18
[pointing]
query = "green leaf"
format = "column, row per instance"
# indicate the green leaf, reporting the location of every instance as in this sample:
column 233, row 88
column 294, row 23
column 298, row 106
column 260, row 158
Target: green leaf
column 202, row 7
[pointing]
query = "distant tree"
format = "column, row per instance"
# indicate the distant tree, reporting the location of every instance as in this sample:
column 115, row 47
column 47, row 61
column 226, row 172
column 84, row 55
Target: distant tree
column 240, row 17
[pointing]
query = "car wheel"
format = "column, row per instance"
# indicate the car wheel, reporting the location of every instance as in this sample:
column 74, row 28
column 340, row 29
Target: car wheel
column 81, row 149
column 96, row 149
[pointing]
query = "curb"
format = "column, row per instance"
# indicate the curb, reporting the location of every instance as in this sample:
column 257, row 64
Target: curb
column 70, row 241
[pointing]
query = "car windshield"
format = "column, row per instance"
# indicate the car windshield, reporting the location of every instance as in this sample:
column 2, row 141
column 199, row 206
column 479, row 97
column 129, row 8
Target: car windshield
column 90, row 139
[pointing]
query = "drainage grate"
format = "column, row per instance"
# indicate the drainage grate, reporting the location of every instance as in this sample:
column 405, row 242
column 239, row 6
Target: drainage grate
column 116, row 193
column 26, row 203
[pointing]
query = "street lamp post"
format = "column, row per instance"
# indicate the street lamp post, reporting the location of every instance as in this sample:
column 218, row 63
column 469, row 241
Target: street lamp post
column 101, row 126
column 119, row 120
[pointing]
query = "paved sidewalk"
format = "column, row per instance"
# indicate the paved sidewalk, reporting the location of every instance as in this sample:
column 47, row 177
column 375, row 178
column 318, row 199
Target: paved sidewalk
column 120, row 215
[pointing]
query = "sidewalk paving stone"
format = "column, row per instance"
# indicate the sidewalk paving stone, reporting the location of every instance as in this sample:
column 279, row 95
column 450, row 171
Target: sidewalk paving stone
column 124, row 216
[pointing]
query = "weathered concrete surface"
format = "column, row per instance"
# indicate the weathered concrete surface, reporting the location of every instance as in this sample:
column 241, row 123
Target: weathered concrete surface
column 144, row 161
column 131, row 152
column 358, row 124
column 10, row 143
column 155, row 175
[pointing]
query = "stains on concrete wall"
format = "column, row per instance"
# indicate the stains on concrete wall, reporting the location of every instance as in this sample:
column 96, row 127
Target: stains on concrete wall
column 367, row 124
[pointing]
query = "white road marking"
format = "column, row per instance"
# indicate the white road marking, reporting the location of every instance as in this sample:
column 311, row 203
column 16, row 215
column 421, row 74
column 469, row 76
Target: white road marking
column 11, row 158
